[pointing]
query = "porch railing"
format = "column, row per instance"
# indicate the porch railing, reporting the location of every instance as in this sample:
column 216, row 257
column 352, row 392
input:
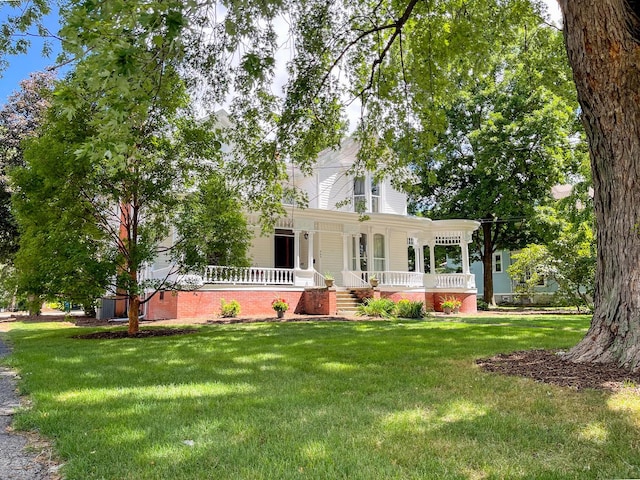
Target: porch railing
column 353, row 280
column 396, row 279
column 248, row 275
column 450, row 280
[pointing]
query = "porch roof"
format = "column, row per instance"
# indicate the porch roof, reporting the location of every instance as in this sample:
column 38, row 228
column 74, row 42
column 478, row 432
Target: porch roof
column 311, row 219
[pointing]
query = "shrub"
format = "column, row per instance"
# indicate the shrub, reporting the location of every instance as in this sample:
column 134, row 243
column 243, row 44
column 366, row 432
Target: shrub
column 229, row 309
column 409, row 309
column 451, row 302
column 482, row 305
column 377, row 307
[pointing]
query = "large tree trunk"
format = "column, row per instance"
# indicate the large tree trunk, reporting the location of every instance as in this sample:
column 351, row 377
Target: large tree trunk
column 487, row 264
column 605, row 58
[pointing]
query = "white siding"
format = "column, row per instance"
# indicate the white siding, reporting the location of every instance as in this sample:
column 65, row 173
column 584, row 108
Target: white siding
column 329, row 258
column 398, row 252
column 163, row 259
column 393, row 201
column 335, row 188
column 262, row 251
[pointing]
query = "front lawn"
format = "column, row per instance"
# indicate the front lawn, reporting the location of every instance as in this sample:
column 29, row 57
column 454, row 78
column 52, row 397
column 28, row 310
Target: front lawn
column 320, row 400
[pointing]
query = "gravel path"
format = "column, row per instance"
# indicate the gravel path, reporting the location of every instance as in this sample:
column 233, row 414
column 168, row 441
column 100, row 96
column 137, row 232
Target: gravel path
column 16, row 461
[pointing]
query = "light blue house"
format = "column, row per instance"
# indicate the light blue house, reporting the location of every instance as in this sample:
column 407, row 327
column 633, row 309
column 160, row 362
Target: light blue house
column 504, row 287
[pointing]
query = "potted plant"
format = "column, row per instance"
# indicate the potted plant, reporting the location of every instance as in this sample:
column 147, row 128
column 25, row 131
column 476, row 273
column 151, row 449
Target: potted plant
column 328, row 279
column 450, row 304
column 280, row 305
column 373, row 280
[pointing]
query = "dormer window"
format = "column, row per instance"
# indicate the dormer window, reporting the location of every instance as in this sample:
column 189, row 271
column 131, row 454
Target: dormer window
column 366, row 199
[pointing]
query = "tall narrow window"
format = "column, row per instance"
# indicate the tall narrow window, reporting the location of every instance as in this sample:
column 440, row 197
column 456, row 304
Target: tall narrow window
column 363, row 252
column 497, row 263
column 375, row 196
column 378, row 253
column 359, row 195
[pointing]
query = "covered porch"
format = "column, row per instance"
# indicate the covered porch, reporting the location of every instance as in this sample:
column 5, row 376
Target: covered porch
column 309, row 245
column 262, row 276
column 312, row 244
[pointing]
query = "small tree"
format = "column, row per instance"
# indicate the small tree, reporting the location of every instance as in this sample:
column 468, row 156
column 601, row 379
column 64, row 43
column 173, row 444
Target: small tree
column 211, row 227
column 568, row 256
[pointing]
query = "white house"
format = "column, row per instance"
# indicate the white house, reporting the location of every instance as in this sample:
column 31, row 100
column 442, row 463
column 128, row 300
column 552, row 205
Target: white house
column 332, row 235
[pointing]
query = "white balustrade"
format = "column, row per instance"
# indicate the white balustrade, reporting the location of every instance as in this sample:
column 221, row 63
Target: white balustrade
column 248, row 275
column 350, row 279
column 450, row 280
column 353, row 280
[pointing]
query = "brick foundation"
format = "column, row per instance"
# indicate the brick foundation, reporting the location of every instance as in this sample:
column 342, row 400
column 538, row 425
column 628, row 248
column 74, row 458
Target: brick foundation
column 469, row 301
column 206, row 303
column 320, row 301
column 313, row 301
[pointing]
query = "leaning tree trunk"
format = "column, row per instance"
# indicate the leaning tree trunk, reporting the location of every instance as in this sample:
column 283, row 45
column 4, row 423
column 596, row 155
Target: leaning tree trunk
column 602, row 43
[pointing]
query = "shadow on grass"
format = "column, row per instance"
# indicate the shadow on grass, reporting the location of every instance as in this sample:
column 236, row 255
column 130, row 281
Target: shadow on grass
column 397, row 399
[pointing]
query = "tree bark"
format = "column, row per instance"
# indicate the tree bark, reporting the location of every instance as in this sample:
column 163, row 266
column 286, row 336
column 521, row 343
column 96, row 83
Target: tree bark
column 604, row 54
column 487, row 264
column 134, row 314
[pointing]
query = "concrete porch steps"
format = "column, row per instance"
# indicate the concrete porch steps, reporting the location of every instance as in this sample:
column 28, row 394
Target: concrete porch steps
column 346, row 302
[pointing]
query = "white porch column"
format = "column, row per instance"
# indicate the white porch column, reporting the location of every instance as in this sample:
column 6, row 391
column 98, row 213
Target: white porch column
column 465, row 257
column 310, row 265
column 419, row 251
column 370, row 249
column 357, row 240
column 432, row 258
column 296, row 249
column 345, row 250
column 387, row 248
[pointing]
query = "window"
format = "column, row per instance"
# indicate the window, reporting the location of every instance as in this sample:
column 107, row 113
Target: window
column 359, row 252
column 375, row 196
column 366, row 195
column 363, row 252
column 378, row 253
column 541, row 280
column 359, row 195
column 497, row 263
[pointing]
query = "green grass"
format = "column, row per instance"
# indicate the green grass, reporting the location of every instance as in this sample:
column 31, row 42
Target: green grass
column 357, row 400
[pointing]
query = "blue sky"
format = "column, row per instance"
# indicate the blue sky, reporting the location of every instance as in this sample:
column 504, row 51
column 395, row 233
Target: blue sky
column 20, row 66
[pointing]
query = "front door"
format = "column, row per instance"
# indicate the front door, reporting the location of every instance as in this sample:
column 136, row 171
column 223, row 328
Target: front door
column 283, row 242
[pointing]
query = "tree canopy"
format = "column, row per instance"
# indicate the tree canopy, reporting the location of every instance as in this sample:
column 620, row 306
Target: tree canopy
column 511, row 135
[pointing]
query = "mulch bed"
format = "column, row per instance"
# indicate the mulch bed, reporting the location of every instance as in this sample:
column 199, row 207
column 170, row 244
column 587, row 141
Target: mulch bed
column 548, row 366
column 156, row 332
column 297, row 318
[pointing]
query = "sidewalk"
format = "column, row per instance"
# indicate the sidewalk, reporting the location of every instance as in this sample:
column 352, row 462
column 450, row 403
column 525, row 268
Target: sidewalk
column 16, row 461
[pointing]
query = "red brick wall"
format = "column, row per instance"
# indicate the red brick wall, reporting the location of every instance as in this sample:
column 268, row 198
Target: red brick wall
column 395, row 296
column 160, row 309
column 206, row 303
column 320, row 301
column 469, row 301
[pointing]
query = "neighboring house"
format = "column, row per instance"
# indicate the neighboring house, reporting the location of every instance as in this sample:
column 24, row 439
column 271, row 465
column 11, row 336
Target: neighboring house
column 333, row 236
column 505, row 288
